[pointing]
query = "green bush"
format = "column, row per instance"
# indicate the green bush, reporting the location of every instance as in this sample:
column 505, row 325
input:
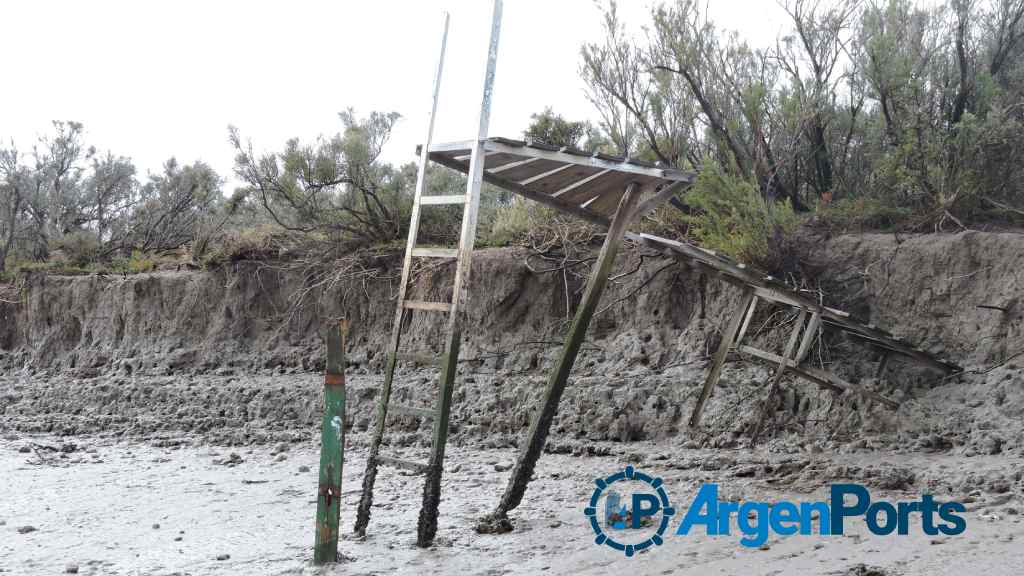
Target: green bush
column 732, row 217
column 140, row 262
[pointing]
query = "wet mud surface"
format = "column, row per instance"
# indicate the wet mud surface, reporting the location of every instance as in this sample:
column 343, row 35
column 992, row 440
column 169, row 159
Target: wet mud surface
column 105, row 506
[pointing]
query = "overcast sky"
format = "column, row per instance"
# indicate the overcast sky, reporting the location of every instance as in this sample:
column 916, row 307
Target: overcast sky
column 152, row 79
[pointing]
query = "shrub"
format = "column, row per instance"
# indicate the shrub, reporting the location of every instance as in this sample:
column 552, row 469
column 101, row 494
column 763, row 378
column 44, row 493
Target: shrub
column 140, row 262
column 732, row 217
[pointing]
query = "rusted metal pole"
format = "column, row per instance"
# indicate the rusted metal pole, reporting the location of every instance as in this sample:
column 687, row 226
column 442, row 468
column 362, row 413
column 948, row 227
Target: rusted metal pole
column 541, row 424
column 332, row 448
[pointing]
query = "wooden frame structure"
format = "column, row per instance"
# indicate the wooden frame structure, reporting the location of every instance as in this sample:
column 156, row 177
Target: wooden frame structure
column 813, row 318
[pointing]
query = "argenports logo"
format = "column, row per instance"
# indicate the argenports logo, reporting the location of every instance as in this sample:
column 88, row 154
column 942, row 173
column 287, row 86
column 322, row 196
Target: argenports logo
column 630, row 511
column 613, row 521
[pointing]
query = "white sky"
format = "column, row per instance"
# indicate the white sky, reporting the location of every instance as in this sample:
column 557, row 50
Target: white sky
column 152, row 79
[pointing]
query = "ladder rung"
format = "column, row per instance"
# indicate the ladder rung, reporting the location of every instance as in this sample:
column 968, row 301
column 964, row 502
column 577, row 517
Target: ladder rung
column 404, row 464
column 410, row 411
column 419, row 358
column 424, row 305
column 447, row 199
column 435, row 252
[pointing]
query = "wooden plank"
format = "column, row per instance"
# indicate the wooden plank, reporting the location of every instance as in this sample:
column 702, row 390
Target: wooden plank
column 809, row 335
column 370, row 475
column 718, row 360
column 541, row 422
column 441, row 200
column 332, row 449
column 659, row 198
column 747, row 319
column 435, row 252
column 579, row 183
column 514, row 164
column 543, row 175
column 777, row 379
column 820, row 377
column 428, row 306
column 525, row 170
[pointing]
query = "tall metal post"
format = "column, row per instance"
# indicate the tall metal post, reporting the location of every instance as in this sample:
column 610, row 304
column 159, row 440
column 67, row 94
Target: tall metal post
column 332, row 448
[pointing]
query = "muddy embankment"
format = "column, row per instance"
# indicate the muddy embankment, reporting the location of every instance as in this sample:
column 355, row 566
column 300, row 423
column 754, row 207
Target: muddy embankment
column 225, row 354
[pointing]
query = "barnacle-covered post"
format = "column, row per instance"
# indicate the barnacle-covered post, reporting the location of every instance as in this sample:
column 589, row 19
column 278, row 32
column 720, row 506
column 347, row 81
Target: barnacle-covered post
column 332, row 448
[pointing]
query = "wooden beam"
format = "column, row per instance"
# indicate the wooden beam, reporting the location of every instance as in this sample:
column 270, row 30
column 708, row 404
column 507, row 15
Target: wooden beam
column 728, row 335
column 513, row 164
column 543, row 175
column 542, row 418
column 747, row 320
column 332, row 449
column 659, row 198
column 578, row 183
column 777, row 379
column 809, row 335
column 820, row 377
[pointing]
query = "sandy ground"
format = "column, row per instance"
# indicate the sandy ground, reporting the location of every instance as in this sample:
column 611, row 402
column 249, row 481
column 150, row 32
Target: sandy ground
column 105, row 506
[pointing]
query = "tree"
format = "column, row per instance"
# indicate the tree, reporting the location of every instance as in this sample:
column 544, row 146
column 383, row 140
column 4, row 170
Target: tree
column 334, row 185
column 173, row 206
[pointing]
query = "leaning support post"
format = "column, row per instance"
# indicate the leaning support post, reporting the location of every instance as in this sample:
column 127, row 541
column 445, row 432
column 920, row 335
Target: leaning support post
column 332, row 448
column 541, row 424
column 729, row 337
column 787, row 357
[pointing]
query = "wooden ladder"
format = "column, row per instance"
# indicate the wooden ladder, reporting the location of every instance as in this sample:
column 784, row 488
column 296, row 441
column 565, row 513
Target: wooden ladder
column 462, row 255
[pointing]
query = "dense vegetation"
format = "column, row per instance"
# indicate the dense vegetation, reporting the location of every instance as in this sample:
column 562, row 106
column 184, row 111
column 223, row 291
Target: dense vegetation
column 876, row 115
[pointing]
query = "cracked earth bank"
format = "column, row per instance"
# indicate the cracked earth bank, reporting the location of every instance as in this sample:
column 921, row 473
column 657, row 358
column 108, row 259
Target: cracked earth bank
column 166, row 423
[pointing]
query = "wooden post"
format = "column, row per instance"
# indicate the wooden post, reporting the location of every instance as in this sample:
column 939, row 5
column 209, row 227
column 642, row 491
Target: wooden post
column 786, row 356
column 729, row 336
column 541, row 424
column 332, row 448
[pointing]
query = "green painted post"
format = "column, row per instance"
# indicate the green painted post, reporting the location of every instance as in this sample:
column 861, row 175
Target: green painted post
column 332, row 448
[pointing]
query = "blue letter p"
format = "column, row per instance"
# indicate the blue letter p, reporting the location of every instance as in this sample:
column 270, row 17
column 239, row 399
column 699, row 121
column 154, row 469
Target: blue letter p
column 640, row 511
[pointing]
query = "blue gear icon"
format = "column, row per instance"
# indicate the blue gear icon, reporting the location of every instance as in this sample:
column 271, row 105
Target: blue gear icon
column 629, row 473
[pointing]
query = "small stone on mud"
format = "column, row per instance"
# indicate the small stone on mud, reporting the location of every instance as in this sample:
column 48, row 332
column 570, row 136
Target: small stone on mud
column 71, row 569
column 156, row 526
column 281, row 457
column 26, row 529
column 555, row 524
column 24, row 449
column 303, row 468
column 223, row 556
column 177, row 538
column 502, row 466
